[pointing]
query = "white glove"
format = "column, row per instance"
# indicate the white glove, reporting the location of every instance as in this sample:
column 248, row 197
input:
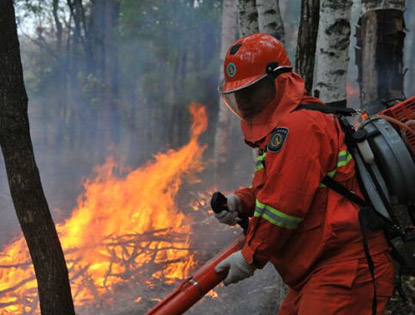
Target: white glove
column 230, row 217
column 239, row 269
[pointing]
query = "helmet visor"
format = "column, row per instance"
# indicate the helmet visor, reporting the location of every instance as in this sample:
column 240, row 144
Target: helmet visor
column 249, row 101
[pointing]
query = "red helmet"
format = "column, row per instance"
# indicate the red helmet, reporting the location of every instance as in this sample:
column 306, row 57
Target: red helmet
column 250, row 59
column 251, row 65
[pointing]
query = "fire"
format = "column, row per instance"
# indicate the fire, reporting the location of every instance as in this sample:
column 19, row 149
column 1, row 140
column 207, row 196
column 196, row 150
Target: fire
column 213, row 294
column 121, row 226
column 352, row 95
column 352, row 91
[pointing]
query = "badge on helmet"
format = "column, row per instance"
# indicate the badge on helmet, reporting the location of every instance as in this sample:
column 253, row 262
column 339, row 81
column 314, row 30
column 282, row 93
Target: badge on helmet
column 231, row 69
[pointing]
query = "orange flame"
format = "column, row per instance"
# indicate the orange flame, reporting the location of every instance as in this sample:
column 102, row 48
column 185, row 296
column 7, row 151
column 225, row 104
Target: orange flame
column 119, row 225
column 352, row 91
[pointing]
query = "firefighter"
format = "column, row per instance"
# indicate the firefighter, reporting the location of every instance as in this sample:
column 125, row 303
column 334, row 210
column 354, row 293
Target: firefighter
column 310, row 233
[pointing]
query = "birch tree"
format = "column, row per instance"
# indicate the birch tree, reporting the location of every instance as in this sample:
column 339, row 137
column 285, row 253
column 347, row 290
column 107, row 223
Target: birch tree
column 332, row 51
column 307, row 39
column 269, row 18
column 248, row 17
column 23, row 175
column 380, row 37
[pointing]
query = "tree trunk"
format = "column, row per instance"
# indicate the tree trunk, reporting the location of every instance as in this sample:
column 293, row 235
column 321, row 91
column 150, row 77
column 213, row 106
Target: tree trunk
column 60, row 97
column 248, row 17
column 73, row 112
column 111, row 77
column 380, row 37
column 269, row 18
column 307, row 40
column 224, row 125
column 333, row 42
column 104, row 21
column 25, row 186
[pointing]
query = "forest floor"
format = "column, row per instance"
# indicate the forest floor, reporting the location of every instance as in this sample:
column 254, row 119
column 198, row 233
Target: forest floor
column 397, row 305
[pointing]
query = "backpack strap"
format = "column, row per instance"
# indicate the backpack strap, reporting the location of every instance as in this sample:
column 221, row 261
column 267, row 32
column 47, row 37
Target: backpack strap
column 339, row 188
column 369, row 260
column 326, row 109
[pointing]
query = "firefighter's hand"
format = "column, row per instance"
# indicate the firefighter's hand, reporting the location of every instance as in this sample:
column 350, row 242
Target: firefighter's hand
column 230, row 217
column 239, row 269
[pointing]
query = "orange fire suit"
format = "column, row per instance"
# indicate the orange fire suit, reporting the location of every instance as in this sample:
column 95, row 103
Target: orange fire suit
column 310, row 233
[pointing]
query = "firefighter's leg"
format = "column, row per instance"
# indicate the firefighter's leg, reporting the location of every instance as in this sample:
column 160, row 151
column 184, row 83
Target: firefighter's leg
column 363, row 288
column 347, row 288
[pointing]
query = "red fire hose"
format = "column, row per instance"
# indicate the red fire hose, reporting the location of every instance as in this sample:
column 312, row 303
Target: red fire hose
column 196, row 286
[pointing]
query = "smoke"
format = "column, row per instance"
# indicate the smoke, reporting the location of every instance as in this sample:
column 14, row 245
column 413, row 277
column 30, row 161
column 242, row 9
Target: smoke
column 165, row 58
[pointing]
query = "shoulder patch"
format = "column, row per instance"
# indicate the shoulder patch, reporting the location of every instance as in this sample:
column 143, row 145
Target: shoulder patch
column 277, row 140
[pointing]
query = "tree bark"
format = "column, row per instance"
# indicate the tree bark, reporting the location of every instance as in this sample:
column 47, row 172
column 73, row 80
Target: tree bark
column 373, row 5
column 24, row 180
column 307, row 40
column 379, row 54
column 248, row 17
column 269, row 18
column 333, row 42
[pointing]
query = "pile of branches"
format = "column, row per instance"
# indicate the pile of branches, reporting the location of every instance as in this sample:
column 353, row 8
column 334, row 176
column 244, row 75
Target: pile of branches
column 143, row 285
column 140, row 271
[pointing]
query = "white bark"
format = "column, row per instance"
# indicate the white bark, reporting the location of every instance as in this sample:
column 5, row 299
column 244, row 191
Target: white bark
column 369, row 5
column 332, row 50
column 269, row 18
column 248, row 17
column 224, row 127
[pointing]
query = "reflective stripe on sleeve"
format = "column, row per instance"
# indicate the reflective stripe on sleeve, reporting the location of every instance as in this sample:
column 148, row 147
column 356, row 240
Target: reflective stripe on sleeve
column 344, row 158
column 276, row 217
column 259, row 161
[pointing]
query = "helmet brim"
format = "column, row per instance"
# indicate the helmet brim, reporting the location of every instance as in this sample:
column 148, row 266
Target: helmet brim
column 233, row 86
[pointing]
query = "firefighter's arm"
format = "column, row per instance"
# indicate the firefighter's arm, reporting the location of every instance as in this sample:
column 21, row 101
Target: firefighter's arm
column 247, row 200
column 299, row 154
